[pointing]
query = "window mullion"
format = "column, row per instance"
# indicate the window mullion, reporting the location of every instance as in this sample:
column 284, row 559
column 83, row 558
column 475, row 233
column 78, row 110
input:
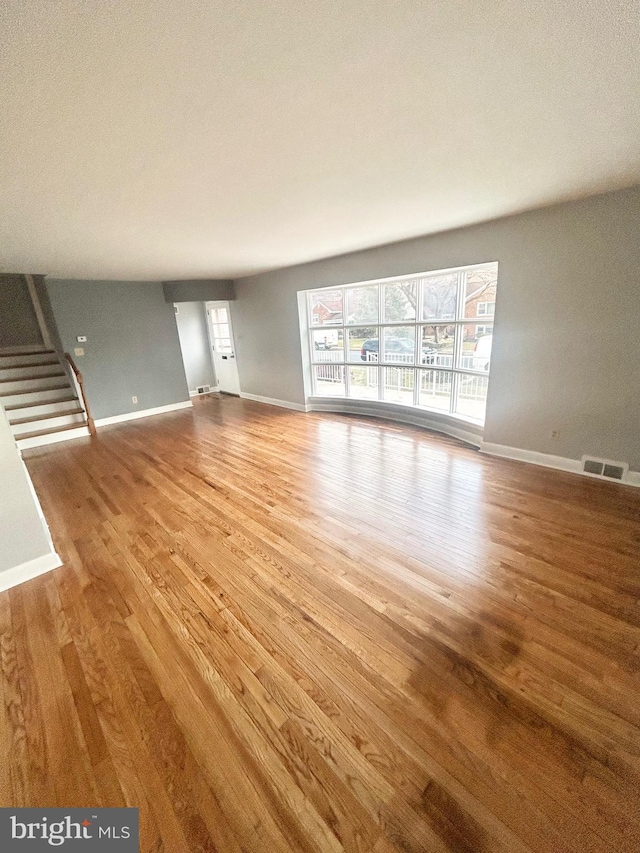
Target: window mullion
column 461, row 295
column 457, row 338
column 345, row 328
column 380, row 345
column 419, row 331
column 417, row 358
column 459, row 328
column 345, row 345
column 455, row 377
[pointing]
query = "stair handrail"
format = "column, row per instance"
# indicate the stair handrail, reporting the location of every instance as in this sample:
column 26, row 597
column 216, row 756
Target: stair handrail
column 80, row 382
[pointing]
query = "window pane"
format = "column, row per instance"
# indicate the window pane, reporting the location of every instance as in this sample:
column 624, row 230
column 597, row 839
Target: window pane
column 362, row 304
column 400, row 301
column 329, row 380
column 363, row 383
column 326, row 307
column 363, row 344
column 437, row 345
column 435, row 389
column 472, row 396
column 328, row 344
column 480, row 292
column 477, row 343
column 400, row 345
column 398, row 384
column 439, row 297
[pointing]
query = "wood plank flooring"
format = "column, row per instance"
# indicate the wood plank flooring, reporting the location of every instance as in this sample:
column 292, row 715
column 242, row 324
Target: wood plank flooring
column 284, row 632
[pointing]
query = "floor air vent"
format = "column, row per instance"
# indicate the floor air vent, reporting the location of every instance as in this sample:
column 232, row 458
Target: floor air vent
column 604, row 468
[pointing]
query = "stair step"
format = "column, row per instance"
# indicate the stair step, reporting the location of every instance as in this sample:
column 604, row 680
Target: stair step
column 62, row 414
column 28, row 405
column 39, row 432
column 35, row 390
column 29, row 364
column 27, row 352
column 34, row 377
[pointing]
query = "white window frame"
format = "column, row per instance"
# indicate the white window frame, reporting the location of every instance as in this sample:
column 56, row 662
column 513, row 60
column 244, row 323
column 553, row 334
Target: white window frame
column 459, row 322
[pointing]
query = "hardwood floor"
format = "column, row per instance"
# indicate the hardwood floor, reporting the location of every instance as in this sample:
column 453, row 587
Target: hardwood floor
column 284, row 632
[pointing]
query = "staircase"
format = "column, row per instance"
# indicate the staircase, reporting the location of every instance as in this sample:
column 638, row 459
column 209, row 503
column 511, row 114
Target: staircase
column 40, row 397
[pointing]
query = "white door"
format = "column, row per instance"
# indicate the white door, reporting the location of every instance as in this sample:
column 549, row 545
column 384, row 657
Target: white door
column 222, row 345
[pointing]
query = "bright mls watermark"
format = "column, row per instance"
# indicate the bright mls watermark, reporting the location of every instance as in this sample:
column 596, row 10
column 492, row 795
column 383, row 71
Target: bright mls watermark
column 34, row 830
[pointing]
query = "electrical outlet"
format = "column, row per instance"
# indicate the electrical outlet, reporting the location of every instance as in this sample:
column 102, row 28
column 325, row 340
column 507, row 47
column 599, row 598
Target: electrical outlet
column 555, row 434
column 134, row 400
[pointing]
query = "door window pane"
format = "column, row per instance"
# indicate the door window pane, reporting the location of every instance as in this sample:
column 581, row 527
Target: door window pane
column 400, row 300
column 472, row 396
column 435, row 389
column 329, row 380
column 326, row 307
column 477, row 343
column 362, row 304
column 439, row 297
column 398, row 384
column 364, row 343
column 219, row 315
column 363, row 383
column 328, row 344
column 399, row 345
column 221, row 330
column 437, row 345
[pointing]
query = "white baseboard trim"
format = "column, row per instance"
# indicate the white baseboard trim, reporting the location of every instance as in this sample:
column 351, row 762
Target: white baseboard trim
column 212, row 390
column 143, row 413
column 52, row 438
column 400, row 414
column 26, row 571
column 283, row 404
column 547, row 460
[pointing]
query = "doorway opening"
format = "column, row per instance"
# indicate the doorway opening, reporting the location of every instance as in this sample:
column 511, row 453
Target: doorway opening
column 223, row 347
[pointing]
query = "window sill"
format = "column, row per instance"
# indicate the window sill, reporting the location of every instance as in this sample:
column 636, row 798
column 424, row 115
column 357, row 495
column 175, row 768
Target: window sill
column 458, row 426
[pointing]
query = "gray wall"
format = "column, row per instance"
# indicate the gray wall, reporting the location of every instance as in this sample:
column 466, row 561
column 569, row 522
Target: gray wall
column 199, row 290
column 566, row 352
column 194, row 342
column 18, row 322
column 132, row 344
column 23, row 532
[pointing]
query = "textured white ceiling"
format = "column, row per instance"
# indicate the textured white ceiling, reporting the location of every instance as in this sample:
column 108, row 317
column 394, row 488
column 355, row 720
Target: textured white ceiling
column 166, row 139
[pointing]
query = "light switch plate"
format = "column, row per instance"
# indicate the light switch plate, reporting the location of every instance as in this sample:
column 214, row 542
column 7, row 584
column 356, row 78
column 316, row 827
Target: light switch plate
column 78, row 351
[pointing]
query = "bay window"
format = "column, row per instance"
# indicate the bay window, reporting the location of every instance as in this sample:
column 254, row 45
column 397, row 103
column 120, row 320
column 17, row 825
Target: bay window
column 412, row 341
